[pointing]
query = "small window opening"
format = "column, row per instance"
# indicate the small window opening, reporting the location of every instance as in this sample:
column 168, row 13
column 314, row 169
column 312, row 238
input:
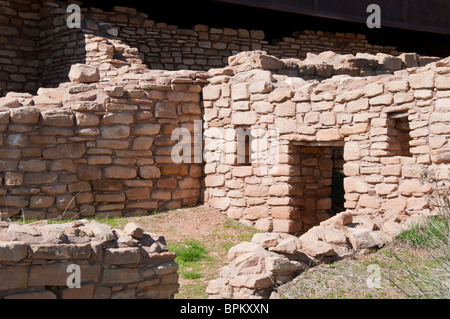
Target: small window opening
column 399, row 133
column 243, row 147
column 243, row 158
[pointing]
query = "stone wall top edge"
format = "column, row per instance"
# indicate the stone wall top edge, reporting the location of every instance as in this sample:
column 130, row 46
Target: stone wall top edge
column 252, row 33
column 248, row 65
column 41, row 236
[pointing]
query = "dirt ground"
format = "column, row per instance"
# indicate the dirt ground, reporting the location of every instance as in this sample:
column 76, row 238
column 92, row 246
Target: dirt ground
column 212, row 229
column 179, row 224
column 217, row 233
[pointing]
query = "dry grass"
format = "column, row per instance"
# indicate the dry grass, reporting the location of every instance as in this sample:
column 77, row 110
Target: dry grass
column 405, row 271
column 345, row 279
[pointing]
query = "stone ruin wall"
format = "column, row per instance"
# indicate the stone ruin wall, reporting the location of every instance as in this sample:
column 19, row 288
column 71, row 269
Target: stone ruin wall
column 19, row 46
column 37, row 48
column 392, row 128
column 99, row 149
column 382, row 182
column 35, row 261
column 103, row 149
column 168, row 47
column 98, row 146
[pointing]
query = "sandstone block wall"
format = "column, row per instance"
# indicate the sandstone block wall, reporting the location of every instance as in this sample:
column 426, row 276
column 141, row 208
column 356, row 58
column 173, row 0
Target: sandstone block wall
column 19, row 46
column 37, row 48
column 384, row 176
column 391, row 127
column 169, row 47
column 59, row 46
column 99, row 149
column 37, row 262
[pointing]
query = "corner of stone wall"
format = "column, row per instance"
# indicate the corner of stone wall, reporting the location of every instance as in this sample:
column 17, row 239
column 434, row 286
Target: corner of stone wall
column 84, row 260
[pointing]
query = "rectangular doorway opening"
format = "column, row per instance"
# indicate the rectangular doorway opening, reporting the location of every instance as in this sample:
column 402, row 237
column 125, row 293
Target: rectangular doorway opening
column 321, row 181
column 337, row 182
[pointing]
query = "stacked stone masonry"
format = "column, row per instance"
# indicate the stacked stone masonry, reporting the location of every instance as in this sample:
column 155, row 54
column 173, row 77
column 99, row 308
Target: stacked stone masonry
column 366, row 116
column 168, row 47
column 41, row 261
column 37, row 47
column 19, row 46
column 101, row 145
column 99, row 149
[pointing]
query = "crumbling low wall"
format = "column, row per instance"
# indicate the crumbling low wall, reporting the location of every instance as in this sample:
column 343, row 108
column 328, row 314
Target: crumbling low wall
column 45, row 261
column 256, row 268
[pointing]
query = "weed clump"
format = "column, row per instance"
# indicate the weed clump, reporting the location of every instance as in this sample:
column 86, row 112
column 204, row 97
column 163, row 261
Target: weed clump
column 432, row 278
column 190, row 251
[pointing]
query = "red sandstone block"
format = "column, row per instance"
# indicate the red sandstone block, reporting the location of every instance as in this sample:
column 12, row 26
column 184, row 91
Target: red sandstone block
column 87, row 172
column 142, row 143
column 86, row 119
column 161, row 195
column 40, row 178
column 113, row 144
column 256, row 212
column 214, row 180
column 167, row 183
column 24, row 115
column 149, row 172
column 85, row 197
column 117, row 118
column 8, row 153
column 185, row 193
column 137, row 193
column 174, row 169
column 120, row 172
column 286, row 225
column 56, row 274
column 110, row 197
column 13, row 278
column 84, row 292
column 285, row 212
column 38, row 201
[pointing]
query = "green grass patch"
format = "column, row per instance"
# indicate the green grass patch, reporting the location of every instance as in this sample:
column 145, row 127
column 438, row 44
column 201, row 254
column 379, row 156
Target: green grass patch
column 191, row 274
column 426, row 234
column 189, row 251
column 244, row 233
column 33, row 220
column 195, row 290
column 115, row 222
column 193, row 260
